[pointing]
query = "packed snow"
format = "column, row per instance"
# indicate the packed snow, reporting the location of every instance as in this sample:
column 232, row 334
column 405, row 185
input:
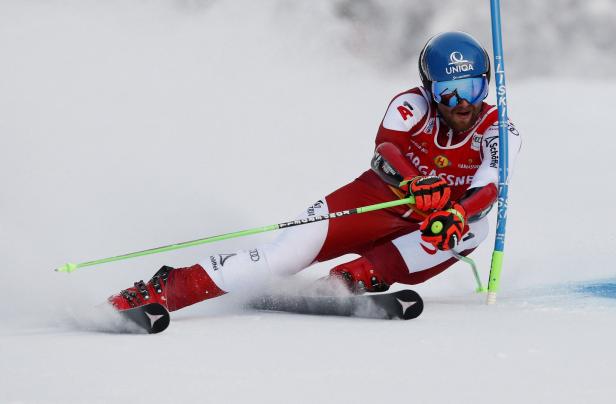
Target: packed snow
column 127, row 125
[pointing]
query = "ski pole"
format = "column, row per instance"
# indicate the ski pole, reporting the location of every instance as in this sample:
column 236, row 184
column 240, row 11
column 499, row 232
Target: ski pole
column 71, row 267
column 437, row 228
column 503, row 150
column 471, row 262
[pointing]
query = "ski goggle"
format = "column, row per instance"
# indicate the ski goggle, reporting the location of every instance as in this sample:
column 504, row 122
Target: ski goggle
column 451, row 93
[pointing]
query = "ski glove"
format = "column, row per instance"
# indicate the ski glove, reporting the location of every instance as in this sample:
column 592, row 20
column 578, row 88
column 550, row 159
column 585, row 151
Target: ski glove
column 444, row 229
column 430, row 192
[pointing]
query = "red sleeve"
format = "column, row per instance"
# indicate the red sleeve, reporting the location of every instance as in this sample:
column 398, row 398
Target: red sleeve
column 391, row 165
column 477, row 202
column 393, row 137
column 407, row 112
column 389, row 161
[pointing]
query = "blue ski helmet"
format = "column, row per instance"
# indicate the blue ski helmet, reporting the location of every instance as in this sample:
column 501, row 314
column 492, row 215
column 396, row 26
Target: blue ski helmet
column 451, row 56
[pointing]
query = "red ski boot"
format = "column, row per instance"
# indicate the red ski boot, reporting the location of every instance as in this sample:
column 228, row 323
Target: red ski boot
column 359, row 276
column 174, row 288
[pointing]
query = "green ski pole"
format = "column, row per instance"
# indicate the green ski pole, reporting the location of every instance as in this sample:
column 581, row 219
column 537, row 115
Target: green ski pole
column 471, row 262
column 437, row 228
column 71, row 267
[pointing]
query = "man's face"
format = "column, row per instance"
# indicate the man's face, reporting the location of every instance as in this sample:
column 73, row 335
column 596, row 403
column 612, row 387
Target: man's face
column 461, row 117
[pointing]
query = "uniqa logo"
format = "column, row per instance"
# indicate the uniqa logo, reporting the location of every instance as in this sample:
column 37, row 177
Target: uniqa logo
column 456, row 57
column 458, row 64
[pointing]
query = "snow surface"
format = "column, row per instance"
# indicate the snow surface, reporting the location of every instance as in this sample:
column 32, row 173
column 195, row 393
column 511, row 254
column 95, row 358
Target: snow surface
column 127, row 125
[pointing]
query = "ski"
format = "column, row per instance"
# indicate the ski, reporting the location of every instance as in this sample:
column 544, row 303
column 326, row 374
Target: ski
column 404, row 304
column 153, row 317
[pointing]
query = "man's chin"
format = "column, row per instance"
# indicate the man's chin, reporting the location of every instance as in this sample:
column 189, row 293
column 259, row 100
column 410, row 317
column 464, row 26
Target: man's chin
column 462, row 124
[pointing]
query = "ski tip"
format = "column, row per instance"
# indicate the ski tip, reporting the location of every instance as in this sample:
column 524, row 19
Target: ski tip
column 68, row 268
column 152, row 318
column 411, row 304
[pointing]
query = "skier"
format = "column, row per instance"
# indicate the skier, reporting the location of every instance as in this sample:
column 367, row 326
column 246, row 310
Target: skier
column 437, row 142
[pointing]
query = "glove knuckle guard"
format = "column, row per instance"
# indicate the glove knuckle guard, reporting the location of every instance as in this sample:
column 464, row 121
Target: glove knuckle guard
column 452, row 221
column 430, row 192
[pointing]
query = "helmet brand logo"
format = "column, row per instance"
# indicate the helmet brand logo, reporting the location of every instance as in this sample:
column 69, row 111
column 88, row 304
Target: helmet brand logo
column 459, row 69
column 456, row 57
column 457, row 64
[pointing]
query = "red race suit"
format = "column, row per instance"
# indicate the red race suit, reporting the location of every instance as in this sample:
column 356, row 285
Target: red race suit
column 412, row 140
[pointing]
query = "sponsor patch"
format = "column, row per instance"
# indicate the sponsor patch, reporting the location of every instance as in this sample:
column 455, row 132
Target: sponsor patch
column 254, row 255
column 513, row 130
column 476, row 143
column 468, row 166
column 492, row 144
column 405, row 113
column 457, row 64
column 451, row 179
column 429, row 126
column 224, row 257
column 441, row 161
column 317, row 205
column 421, row 147
column 214, row 263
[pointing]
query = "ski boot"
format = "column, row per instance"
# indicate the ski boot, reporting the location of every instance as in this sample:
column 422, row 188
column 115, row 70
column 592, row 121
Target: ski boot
column 358, row 276
column 174, row 288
